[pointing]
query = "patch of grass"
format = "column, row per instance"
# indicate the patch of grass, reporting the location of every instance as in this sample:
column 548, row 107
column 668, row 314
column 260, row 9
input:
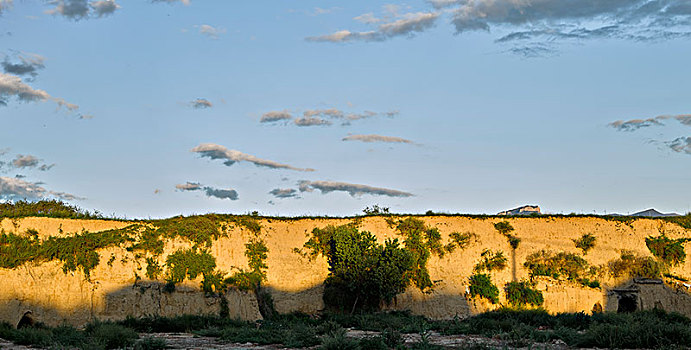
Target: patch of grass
column 200, row 230
column 111, row 335
column 401, row 321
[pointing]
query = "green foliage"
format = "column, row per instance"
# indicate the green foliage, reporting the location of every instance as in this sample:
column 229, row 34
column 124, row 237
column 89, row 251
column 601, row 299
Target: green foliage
column 421, row 242
column 153, row 269
column 523, row 293
column 189, row 264
column 256, row 253
column 481, row 286
column 248, row 222
column 337, row 340
column 110, row 335
column 670, row 251
column 362, row 273
column 513, row 241
column 631, row 265
column 149, row 241
column 562, row 266
column 683, row 221
column 376, row 210
column 44, row 208
column 151, row 343
column 491, row 261
column 460, row 240
column 200, row 230
column 503, row 227
column 76, row 251
column 585, row 243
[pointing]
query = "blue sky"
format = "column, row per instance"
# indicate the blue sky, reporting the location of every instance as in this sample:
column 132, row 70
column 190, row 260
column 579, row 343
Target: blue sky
column 471, row 106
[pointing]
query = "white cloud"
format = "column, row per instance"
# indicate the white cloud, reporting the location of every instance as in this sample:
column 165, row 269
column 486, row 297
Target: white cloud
column 214, row 151
column 29, row 64
column 352, row 189
column 104, row 7
column 680, row 145
column 311, row 121
column 284, row 192
column 17, row 189
column 201, row 103
column 219, row 193
column 210, row 31
column 635, row 124
column 275, row 116
column 377, row 138
column 407, row 25
column 12, row 86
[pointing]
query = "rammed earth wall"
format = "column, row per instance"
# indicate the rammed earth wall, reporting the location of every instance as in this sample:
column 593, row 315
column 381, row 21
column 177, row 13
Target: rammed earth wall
column 118, row 287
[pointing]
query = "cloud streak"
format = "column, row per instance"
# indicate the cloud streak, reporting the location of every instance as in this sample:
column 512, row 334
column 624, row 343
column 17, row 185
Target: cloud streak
column 201, row 103
column 321, row 117
column 29, row 64
column 17, row 189
column 352, row 189
column 13, row 86
column 377, row 138
column 680, row 145
column 82, row 9
column 407, row 25
column 210, row 31
column 214, row 151
column 209, row 191
column 284, row 193
column 275, row 116
column 635, row 124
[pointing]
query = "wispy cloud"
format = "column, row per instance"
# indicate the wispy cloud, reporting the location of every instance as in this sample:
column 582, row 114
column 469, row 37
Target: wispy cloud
column 29, row 64
column 680, row 145
column 352, row 189
column 4, row 5
column 407, row 25
column 214, row 151
column 284, row 192
column 377, row 138
column 12, row 86
column 184, row 2
column 201, row 103
column 82, row 9
column 275, row 116
column 316, row 117
column 12, row 188
column 210, row 31
column 219, row 193
column 534, row 28
column 635, row 124
column 311, row 121
column 29, row 161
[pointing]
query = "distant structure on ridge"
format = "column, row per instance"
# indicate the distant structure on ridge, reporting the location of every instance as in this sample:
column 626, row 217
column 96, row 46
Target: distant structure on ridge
column 524, row 210
column 652, row 213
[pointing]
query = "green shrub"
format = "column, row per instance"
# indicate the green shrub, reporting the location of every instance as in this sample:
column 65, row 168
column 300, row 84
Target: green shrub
column 111, row 336
column 630, row 265
column 338, row 340
column 562, row 266
column 460, row 240
column 503, row 227
column 523, row 293
column 188, row 263
column 481, row 286
column 151, row 343
column 153, row 269
column 585, row 243
column 670, row 251
column 362, row 273
column 420, row 242
column 491, row 261
column 76, row 251
column 200, row 230
column 513, row 241
column 44, row 208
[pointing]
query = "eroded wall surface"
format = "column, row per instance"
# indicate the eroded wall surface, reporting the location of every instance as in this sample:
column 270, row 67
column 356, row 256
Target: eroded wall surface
column 117, row 286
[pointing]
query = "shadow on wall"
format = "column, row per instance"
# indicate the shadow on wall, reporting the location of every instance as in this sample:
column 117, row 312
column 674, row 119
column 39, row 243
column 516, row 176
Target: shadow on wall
column 151, row 298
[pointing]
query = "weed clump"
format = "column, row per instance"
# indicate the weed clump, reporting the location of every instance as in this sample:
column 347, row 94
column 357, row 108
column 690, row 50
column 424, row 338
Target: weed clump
column 585, row 243
column 631, row 265
column 522, row 294
column 480, row 285
column 562, row 266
